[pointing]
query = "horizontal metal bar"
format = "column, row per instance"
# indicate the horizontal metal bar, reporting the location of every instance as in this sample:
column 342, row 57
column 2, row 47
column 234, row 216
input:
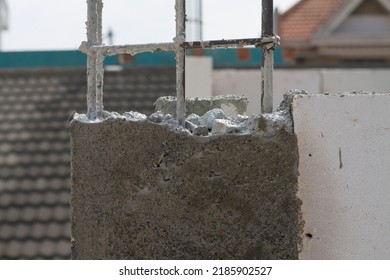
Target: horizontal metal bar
column 258, row 42
column 156, row 47
column 127, row 49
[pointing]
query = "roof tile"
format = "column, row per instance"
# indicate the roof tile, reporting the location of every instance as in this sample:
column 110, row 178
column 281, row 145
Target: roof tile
column 35, row 198
column 63, row 248
column 31, row 249
column 3, row 247
column 63, row 197
column 61, row 213
column 5, row 199
column 38, row 230
column 54, row 231
column 20, row 199
column 22, row 231
column 6, row 231
column 47, row 248
column 51, row 198
column 45, row 214
column 12, row 215
column 14, row 249
column 29, row 214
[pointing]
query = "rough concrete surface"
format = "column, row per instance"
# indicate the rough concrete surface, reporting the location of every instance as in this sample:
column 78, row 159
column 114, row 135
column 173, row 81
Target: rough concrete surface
column 232, row 105
column 143, row 191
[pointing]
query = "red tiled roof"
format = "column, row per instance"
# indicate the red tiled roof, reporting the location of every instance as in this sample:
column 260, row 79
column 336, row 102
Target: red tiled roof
column 303, row 19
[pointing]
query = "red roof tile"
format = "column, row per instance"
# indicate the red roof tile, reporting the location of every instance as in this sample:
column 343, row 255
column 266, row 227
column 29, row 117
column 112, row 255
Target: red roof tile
column 303, row 19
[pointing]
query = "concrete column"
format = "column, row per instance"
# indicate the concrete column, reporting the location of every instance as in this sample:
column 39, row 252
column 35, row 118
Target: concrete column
column 143, row 191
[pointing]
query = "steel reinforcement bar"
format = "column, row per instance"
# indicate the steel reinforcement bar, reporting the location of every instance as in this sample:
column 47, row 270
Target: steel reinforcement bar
column 96, row 52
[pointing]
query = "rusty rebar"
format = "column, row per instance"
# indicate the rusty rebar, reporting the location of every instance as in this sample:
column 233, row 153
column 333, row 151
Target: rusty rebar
column 257, row 42
column 267, row 64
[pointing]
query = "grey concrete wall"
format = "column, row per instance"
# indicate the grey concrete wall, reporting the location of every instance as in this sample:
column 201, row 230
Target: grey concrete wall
column 142, row 191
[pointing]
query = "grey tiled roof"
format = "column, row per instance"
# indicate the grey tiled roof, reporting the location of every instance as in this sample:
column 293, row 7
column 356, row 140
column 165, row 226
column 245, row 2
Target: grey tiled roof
column 34, row 149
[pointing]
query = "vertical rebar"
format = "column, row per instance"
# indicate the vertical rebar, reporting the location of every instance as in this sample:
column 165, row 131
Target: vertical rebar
column 267, row 64
column 99, row 62
column 180, row 8
column 92, row 38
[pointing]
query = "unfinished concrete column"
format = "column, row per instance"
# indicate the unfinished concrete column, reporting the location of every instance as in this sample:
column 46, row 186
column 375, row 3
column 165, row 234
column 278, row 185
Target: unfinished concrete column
column 147, row 190
column 153, row 188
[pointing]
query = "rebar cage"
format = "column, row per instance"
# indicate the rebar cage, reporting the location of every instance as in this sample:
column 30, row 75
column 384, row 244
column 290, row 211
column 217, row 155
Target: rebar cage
column 96, row 51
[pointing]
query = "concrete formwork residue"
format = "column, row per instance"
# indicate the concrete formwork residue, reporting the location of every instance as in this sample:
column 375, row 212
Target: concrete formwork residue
column 141, row 190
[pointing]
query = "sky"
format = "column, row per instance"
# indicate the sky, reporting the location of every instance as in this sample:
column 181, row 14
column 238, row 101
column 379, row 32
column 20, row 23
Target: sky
column 60, row 24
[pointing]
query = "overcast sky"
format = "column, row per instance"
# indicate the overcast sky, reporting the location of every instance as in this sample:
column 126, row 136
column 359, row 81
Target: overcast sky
column 60, row 24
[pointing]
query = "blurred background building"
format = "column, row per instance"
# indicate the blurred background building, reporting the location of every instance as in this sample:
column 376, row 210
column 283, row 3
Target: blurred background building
column 336, row 32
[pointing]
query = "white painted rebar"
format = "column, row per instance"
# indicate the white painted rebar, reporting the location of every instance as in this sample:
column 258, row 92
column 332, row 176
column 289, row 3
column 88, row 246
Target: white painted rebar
column 180, row 60
column 127, row 49
column 267, row 79
column 96, row 52
column 92, row 38
column 99, row 62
